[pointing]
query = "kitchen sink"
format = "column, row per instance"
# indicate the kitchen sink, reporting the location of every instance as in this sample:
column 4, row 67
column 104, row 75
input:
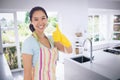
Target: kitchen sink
column 81, row 59
column 113, row 51
column 118, row 47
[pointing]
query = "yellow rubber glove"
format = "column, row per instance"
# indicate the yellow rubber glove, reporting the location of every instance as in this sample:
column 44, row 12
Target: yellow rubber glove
column 57, row 34
column 59, row 37
column 65, row 41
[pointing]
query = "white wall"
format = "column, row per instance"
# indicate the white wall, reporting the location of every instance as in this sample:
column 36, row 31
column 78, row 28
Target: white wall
column 104, row 4
column 73, row 13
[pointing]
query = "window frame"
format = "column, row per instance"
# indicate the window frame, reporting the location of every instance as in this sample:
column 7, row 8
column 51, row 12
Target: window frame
column 109, row 13
column 16, row 44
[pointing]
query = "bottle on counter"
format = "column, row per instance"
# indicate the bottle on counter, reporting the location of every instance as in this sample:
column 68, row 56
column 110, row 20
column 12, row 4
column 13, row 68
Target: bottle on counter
column 78, row 43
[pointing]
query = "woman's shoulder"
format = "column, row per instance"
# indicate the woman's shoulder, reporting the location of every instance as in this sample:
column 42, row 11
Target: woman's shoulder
column 29, row 44
column 30, row 40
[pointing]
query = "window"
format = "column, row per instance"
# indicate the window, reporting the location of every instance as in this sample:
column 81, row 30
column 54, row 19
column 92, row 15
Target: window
column 52, row 20
column 116, row 27
column 6, row 20
column 97, row 26
column 103, row 26
column 9, row 39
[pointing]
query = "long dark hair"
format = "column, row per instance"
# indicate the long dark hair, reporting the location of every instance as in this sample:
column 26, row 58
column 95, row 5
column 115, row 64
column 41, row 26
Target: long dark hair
column 31, row 14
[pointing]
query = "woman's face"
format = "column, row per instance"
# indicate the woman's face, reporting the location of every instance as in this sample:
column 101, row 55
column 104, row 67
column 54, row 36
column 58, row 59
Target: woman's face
column 39, row 21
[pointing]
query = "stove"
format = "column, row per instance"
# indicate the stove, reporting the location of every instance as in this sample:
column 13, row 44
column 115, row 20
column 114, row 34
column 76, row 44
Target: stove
column 114, row 50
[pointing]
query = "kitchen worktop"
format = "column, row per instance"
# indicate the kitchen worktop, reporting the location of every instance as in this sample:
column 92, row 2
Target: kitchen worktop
column 5, row 73
column 105, row 66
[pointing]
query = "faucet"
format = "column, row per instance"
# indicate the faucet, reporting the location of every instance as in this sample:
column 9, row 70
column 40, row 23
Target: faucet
column 91, row 57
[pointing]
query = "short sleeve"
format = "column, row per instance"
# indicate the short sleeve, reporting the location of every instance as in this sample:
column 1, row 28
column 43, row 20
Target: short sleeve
column 26, row 47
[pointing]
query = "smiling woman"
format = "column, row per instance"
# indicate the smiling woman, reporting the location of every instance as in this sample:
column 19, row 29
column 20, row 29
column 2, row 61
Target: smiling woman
column 39, row 51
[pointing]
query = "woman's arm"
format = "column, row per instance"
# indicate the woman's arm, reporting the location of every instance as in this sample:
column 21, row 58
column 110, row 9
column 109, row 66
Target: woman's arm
column 27, row 64
column 63, row 48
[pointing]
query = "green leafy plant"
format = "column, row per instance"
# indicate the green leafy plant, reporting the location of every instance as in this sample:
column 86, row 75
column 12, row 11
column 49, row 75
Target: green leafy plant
column 10, row 54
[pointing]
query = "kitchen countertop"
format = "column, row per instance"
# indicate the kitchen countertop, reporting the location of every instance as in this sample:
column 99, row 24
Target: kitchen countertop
column 5, row 73
column 104, row 63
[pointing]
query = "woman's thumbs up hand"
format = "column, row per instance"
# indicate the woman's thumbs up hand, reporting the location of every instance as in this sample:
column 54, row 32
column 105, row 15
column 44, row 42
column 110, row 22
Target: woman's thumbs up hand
column 59, row 37
column 57, row 34
column 65, row 41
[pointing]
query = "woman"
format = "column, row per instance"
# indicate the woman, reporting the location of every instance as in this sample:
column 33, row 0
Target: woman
column 39, row 52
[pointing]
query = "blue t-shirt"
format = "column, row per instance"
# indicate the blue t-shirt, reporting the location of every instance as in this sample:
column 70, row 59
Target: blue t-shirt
column 32, row 47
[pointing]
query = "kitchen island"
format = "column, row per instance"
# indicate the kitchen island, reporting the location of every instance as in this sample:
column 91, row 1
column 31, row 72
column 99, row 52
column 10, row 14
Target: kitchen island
column 105, row 66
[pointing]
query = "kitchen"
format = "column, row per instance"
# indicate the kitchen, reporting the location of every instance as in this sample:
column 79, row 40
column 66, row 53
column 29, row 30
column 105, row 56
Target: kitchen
column 73, row 16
